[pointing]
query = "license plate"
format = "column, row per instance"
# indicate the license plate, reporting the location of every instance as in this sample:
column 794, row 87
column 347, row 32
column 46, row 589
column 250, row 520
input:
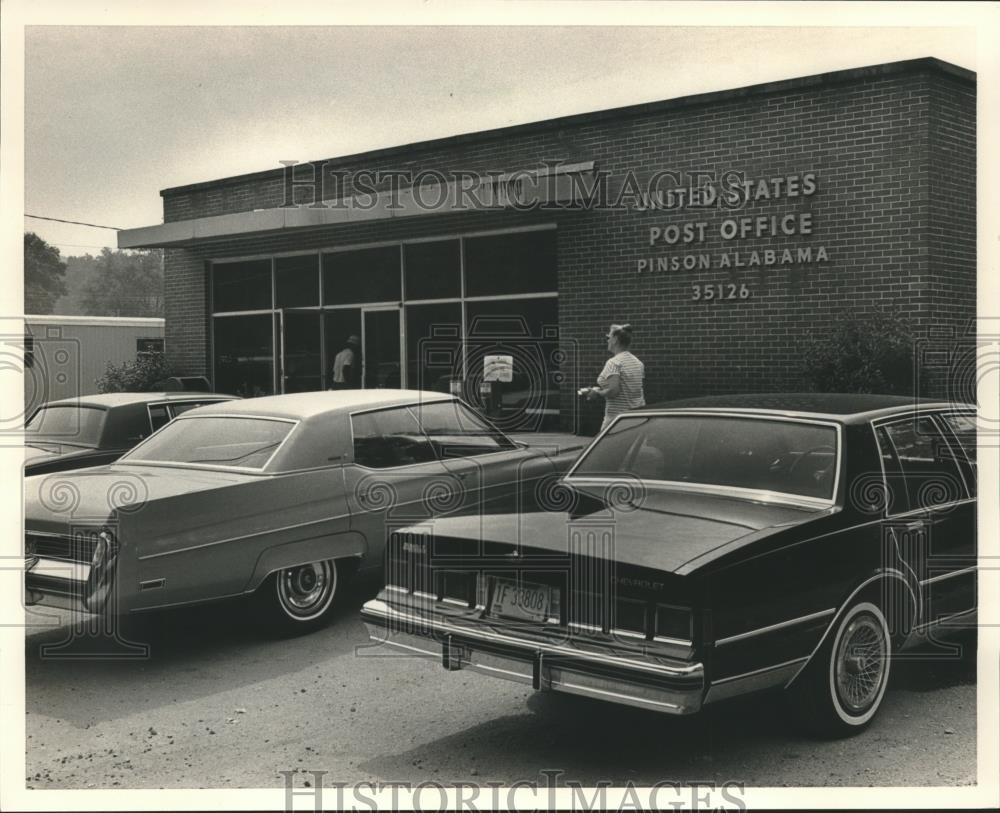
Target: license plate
column 524, row 601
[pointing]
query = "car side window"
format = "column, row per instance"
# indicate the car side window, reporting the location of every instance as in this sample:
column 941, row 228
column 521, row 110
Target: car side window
column 896, row 500
column 930, row 473
column 389, row 438
column 158, row 416
column 963, row 429
column 457, row 431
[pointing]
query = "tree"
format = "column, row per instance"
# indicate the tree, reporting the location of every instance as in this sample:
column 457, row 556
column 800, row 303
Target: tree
column 44, row 275
column 867, row 352
column 125, row 283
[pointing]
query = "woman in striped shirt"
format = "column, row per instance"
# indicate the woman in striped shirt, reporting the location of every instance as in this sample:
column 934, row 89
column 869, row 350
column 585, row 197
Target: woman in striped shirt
column 620, row 382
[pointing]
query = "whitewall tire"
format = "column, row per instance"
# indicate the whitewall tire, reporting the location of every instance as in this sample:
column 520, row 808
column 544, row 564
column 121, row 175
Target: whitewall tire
column 302, row 598
column 841, row 689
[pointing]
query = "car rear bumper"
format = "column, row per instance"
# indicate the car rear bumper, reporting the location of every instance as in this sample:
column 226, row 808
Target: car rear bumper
column 671, row 687
column 56, row 583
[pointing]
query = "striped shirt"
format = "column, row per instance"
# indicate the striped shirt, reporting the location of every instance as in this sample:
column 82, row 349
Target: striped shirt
column 345, row 358
column 630, row 372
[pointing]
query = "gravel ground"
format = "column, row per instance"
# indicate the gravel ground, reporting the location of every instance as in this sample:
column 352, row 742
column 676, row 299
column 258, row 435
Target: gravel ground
column 218, row 705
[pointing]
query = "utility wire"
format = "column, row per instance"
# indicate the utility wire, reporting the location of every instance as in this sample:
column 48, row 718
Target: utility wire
column 75, row 222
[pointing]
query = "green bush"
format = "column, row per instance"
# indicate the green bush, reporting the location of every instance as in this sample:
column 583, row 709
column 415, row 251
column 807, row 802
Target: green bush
column 870, row 352
column 145, row 374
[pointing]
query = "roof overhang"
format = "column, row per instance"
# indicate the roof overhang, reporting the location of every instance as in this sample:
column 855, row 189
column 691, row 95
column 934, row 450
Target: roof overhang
column 561, row 186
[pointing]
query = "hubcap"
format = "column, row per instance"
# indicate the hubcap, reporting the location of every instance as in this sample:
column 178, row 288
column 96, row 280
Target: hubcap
column 306, row 591
column 860, row 665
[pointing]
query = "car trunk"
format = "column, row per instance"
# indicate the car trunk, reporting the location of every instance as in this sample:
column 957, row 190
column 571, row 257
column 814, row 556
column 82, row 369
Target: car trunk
column 609, row 571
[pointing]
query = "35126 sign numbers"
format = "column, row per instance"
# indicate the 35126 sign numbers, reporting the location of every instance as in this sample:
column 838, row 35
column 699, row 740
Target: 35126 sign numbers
column 717, row 292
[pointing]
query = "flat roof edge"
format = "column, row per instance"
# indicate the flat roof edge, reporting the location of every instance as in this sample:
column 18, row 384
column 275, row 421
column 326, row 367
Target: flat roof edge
column 782, row 85
column 122, row 321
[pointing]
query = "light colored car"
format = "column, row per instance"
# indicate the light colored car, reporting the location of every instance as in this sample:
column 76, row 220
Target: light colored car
column 280, row 497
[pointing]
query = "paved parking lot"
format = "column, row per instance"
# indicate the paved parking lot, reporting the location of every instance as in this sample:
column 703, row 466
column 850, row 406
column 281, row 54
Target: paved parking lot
column 217, row 705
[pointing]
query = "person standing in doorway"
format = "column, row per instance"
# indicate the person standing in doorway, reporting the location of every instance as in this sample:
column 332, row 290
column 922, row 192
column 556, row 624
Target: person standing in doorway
column 346, row 368
column 620, row 382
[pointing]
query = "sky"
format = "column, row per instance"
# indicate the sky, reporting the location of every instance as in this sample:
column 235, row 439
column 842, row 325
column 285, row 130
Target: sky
column 113, row 114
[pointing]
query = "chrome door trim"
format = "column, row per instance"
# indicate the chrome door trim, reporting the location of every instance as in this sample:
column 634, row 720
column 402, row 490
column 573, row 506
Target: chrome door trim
column 772, row 627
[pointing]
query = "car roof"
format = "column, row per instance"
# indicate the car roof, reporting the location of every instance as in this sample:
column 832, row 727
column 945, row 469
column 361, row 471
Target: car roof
column 108, row 400
column 836, row 406
column 303, row 405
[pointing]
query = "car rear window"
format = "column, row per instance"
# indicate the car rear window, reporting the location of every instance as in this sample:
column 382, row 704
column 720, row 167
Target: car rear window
column 227, row 441
column 787, row 457
column 66, row 423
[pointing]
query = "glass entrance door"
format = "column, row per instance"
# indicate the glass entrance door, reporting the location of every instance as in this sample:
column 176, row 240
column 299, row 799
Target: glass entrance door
column 380, row 348
column 301, row 368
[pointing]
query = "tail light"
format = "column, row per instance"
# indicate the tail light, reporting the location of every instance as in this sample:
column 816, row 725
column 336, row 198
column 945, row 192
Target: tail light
column 630, row 618
column 457, row 587
column 674, row 623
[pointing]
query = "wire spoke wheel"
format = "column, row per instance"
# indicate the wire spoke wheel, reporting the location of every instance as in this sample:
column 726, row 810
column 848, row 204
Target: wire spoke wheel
column 841, row 690
column 305, row 592
column 860, row 664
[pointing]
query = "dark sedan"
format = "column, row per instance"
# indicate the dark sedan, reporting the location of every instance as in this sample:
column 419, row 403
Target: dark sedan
column 94, row 430
column 710, row 548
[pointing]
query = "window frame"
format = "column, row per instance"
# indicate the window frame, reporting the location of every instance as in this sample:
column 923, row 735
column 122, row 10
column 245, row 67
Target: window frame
column 126, row 458
column 59, row 438
column 514, row 446
column 934, row 417
column 760, row 495
column 393, row 407
column 213, row 313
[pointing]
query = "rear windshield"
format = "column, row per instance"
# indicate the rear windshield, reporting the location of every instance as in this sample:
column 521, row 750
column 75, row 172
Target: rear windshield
column 235, row 442
column 764, row 455
column 66, row 423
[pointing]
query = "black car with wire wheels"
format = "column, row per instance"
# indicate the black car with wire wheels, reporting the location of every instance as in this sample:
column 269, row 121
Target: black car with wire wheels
column 95, row 430
column 704, row 549
column 279, row 499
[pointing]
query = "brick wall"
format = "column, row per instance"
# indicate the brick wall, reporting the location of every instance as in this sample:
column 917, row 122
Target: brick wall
column 948, row 355
column 893, row 151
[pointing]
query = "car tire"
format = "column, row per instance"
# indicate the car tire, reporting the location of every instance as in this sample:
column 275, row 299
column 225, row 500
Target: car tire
column 303, row 598
column 841, row 689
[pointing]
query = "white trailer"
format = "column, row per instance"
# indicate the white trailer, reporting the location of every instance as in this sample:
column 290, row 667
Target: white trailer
column 65, row 355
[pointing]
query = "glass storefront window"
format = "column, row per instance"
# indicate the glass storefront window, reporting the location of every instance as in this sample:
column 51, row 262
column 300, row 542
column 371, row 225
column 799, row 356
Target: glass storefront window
column 244, row 355
column 341, row 324
column 311, row 303
column 361, row 275
column 527, row 330
column 433, row 270
column 241, row 286
column 296, row 281
column 300, row 349
column 433, row 345
column 520, row 263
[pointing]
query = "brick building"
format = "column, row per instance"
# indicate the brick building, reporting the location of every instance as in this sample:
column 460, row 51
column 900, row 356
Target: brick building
column 729, row 228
